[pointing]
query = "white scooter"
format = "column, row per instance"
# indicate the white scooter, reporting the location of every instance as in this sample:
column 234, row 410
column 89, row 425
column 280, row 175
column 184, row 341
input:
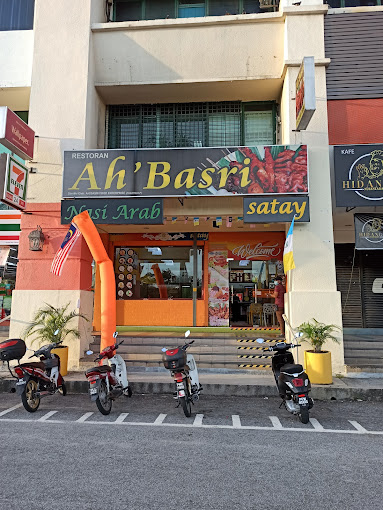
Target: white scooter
column 107, row 382
column 185, row 374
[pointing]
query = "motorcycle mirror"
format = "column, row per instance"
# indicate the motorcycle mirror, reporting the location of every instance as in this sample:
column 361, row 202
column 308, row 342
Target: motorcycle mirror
column 164, row 349
column 298, row 334
column 88, row 353
column 260, row 340
column 56, row 332
column 187, row 333
column 115, row 334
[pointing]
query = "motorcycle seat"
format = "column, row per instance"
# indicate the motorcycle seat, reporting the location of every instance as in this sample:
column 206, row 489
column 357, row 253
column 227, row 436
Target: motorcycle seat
column 33, row 364
column 101, row 369
column 291, row 369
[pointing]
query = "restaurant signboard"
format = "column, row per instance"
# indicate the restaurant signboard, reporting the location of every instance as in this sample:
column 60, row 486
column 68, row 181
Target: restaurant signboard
column 15, row 134
column 368, row 231
column 131, row 211
column 358, row 175
column 278, row 169
column 265, row 209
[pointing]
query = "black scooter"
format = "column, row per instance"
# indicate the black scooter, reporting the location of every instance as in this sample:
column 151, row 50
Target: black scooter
column 292, row 381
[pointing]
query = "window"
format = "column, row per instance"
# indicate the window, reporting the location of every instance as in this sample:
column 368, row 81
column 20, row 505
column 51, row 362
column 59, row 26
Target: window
column 154, row 272
column 334, row 4
column 228, row 123
column 134, row 10
column 16, row 14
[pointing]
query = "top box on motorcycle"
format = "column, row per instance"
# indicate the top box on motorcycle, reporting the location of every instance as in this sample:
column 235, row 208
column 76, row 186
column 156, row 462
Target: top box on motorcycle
column 174, row 359
column 13, row 348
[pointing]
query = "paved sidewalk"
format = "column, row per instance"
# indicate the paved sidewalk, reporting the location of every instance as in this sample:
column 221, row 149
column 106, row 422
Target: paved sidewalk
column 231, row 384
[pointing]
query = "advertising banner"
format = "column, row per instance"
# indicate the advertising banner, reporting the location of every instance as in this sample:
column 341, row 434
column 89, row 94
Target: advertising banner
column 368, row 231
column 277, row 169
column 358, row 175
column 273, row 210
column 305, row 93
column 218, row 288
column 15, row 134
column 251, row 246
column 132, row 211
column 13, row 182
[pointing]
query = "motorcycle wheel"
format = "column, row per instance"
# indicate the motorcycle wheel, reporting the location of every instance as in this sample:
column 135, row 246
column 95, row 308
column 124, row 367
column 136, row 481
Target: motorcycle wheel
column 103, row 402
column 30, row 400
column 62, row 389
column 186, row 406
column 304, row 415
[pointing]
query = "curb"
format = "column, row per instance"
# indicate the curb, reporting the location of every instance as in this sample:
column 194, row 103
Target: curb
column 240, row 390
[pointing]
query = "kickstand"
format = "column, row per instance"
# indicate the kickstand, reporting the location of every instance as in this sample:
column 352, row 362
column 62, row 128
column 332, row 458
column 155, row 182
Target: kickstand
column 281, row 404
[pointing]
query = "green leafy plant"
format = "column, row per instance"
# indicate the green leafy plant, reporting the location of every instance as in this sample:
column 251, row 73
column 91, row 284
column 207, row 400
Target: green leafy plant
column 317, row 333
column 49, row 319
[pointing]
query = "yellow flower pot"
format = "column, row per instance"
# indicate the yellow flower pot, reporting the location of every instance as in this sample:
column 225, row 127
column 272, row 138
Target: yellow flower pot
column 318, row 367
column 62, row 353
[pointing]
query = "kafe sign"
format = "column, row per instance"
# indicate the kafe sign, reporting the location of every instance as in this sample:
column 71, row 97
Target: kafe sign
column 15, row 134
column 305, row 93
column 131, row 211
column 274, row 170
column 368, row 231
column 358, row 175
column 273, row 210
column 13, row 182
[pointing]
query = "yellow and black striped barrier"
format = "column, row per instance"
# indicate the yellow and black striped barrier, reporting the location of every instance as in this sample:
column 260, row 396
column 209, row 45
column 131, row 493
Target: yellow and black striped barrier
column 272, row 328
column 253, row 366
column 253, row 340
column 249, row 348
column 250, row 356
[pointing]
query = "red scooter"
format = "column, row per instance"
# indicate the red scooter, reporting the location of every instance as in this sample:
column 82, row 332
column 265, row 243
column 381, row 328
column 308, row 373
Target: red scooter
column 35, row 379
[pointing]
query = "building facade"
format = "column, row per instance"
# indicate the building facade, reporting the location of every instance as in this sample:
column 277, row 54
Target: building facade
column 182, row 78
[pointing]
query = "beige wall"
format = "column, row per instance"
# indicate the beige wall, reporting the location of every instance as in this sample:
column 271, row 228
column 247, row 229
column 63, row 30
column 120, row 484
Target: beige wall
column 25, row 303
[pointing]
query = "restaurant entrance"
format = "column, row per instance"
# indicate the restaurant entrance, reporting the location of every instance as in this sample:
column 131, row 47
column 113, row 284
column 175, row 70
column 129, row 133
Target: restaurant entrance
column 250, row 284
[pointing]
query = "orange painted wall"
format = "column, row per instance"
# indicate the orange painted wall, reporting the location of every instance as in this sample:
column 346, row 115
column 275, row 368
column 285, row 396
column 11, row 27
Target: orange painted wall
column 355, row 121
column 33, row 269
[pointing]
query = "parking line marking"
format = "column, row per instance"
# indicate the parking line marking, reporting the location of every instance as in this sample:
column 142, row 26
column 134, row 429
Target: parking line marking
column 159, row 420
column 315, row 423
column 198, row 420
column 84, row 417
column 236, row 421
column 10, row 409
column 276, row 422
column 360, row 431
column 121, row 418
column 358, row 427
column 47, row 415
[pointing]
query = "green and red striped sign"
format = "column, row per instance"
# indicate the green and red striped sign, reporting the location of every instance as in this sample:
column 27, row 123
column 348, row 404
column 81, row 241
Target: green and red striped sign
column 9, row 227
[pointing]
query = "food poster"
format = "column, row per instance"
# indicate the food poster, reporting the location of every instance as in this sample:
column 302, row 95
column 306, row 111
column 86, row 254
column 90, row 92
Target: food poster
column 127, row 271
column 218, row 288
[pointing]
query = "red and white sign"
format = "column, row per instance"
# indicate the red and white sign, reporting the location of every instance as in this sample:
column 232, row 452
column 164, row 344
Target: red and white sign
column 15, row 134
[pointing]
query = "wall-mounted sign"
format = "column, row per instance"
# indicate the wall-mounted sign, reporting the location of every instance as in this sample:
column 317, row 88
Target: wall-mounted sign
column 368, row 231
column 131, row 211
column 358, row 175
column 13, row 182
column 16, row 134
column 305, row 93
column 182, row 236
column 277, row 169
column 276, row 209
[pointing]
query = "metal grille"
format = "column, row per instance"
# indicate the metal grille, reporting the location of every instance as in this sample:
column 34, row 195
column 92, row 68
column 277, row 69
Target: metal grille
column 188, row 125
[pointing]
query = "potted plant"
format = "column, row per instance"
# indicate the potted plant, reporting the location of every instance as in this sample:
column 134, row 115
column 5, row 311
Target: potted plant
column 318, row 362
column 49, row 320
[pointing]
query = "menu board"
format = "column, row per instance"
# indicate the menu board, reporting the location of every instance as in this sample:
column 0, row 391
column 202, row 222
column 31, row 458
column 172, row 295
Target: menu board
column 126, row 267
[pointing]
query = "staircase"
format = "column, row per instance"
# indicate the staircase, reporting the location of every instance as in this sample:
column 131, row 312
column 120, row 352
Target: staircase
column 233, row 350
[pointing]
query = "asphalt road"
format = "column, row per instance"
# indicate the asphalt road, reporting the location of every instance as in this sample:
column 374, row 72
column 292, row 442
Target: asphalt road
column 142, row 456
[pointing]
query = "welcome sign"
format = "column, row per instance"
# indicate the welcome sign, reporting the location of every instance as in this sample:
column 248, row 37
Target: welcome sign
column 276, row 169
column 131, row 211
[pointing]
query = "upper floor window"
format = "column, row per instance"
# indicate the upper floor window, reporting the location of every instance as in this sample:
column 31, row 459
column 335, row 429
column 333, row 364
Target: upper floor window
column 229, row 123
column 334, row 4
column 134, row 10
column 16, row 14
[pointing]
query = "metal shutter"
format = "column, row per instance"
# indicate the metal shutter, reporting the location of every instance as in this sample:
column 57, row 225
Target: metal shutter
column 351, row 299
column 372, row 302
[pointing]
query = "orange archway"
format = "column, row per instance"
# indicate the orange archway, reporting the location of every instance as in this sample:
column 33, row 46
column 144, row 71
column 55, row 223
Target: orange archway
column 108, row 285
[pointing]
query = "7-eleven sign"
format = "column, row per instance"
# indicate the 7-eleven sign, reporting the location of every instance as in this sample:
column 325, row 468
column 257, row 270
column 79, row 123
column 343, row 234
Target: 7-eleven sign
column 15, row 189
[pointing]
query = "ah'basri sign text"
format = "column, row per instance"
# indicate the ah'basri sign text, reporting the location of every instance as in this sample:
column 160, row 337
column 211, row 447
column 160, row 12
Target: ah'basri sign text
column 185, row 172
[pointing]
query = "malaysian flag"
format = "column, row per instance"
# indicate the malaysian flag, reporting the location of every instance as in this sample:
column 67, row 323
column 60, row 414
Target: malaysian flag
column 70, row 239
